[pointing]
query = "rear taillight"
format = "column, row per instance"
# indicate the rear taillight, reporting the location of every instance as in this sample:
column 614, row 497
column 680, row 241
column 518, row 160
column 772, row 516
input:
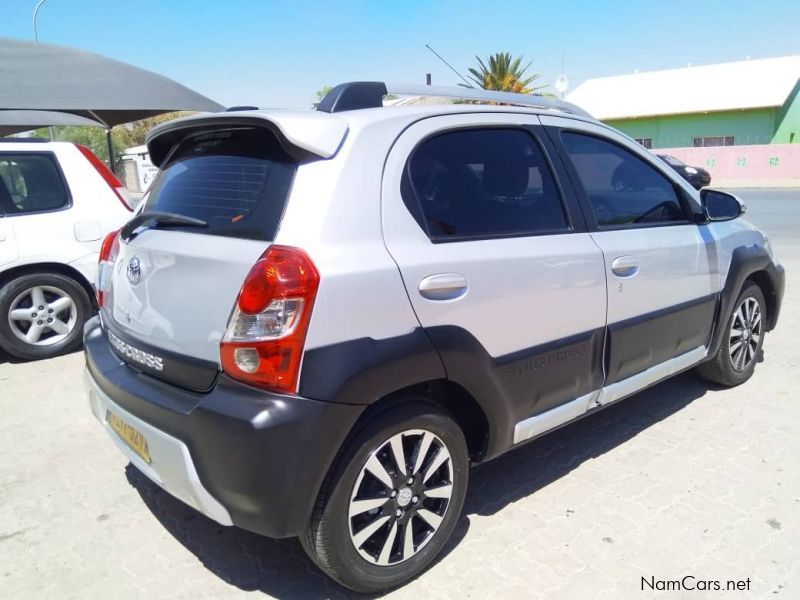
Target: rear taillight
column 113, row 182
column 109, row 251
column 266, row 334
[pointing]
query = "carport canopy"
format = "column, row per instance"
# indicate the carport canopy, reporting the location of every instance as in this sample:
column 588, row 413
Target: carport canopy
column 47, row 77
column 16, row 121
column 39, row 76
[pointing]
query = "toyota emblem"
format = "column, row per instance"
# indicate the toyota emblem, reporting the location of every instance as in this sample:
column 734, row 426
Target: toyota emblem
column 134, row 270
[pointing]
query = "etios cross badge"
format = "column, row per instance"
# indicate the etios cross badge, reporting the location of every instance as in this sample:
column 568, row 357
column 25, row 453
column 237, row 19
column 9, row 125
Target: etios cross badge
column 134, row 270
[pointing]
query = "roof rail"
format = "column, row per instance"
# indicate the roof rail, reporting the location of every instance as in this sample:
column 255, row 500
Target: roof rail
column 369, row 94
column 28, row 140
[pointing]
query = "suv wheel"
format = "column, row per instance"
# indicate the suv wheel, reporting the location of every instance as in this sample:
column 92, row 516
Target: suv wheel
column 740, row 350
column 42, row 315
column 394, row 501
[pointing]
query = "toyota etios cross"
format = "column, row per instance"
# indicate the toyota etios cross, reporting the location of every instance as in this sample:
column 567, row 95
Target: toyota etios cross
column 319, row 320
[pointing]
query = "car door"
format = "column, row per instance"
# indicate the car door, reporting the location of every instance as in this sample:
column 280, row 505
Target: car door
column 661, row 297
column 34, row 205
column 497, row 263
column 8, row 246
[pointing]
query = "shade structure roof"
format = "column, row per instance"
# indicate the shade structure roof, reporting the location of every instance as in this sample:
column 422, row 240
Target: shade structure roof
column 38, row 76
column 15, row 121
column 741, row 85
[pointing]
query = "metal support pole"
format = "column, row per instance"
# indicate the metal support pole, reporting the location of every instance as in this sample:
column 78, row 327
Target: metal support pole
column 111, row 161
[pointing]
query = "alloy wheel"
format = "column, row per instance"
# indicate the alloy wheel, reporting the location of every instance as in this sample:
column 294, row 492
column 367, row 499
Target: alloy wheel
column 42, row 315
column 400, row 497
column 745, row 334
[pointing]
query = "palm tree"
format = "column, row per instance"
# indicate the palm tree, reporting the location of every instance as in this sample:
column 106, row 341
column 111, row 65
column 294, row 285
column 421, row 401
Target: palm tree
column 505, row 75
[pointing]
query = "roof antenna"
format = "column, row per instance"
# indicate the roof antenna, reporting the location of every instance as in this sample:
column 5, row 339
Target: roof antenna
column 469, row 85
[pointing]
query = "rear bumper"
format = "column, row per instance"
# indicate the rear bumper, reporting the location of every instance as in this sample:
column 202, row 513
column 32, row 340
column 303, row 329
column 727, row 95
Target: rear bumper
column 171, row 465
column 237, row 454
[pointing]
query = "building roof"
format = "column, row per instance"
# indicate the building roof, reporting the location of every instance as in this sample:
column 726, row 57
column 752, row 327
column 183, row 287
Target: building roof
column 759, row 83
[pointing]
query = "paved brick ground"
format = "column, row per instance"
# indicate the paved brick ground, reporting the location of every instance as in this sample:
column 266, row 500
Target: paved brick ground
column 679, row 480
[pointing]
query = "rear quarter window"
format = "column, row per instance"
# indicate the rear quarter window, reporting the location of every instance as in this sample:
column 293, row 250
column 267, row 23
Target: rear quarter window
column 236, row 180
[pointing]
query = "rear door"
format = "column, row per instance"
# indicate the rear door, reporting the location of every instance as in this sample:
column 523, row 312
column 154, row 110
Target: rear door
column 35, row 202
column 173, row 288
column 496, row 261
column 661, row 298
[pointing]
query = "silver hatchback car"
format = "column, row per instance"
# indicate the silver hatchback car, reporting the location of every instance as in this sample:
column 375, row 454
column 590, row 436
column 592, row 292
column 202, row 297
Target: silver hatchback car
column 317, row 321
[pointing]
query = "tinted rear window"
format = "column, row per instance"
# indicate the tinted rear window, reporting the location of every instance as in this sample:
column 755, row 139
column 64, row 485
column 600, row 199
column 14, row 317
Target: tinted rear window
column 236, row 180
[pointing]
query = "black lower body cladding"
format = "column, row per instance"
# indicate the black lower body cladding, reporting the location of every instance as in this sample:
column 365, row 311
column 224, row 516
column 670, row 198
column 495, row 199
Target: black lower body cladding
column 263, row 456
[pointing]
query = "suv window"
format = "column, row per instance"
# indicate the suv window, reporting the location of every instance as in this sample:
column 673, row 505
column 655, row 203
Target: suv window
column 482, row 183
column 30, row 183
column 236, row 180
column 621, row 187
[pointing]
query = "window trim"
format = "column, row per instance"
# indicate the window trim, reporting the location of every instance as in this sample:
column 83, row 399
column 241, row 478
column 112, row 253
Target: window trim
column 415, row 208
column 586, row 204
column 59, row 171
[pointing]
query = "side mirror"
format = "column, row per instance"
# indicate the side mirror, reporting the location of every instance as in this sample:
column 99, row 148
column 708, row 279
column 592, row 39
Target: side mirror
column 721, row 206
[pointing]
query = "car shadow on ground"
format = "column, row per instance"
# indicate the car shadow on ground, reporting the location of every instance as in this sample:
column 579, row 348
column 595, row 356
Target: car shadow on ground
column 8, row 359
column 13, row 360
column 281, row 569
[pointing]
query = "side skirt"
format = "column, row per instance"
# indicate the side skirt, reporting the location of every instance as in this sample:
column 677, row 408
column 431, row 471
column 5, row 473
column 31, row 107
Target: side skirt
column 635, row 383
column 540, row 424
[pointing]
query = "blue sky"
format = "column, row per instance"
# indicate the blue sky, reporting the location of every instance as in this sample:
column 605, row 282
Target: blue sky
column 276, row 54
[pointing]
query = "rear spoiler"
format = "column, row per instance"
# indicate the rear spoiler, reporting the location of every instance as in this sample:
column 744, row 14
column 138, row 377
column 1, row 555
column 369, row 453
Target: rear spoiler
column 303, row 135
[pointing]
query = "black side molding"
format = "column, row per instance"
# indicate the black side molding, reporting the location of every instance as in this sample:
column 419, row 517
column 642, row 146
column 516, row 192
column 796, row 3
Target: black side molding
column 636, row 344
column 508, row 388
column 354, row 95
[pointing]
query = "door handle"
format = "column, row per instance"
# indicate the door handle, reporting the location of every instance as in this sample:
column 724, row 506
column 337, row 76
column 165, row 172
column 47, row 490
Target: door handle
column 443, row 286
column 625, row 266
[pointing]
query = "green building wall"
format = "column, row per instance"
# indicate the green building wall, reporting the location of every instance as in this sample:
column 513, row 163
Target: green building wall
column 788, row 120
column 753, row 126
column 677, row 131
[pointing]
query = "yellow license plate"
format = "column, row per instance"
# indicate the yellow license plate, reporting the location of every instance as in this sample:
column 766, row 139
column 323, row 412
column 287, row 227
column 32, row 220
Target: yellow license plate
column 131, row 436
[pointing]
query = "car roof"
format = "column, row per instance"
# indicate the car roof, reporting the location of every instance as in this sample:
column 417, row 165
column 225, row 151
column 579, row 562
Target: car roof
column 29, row 145
column 321, row 133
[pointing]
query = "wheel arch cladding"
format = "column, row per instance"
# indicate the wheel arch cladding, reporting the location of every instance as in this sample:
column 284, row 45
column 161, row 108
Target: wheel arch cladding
column 381, row 373
column 49, row 268
column 455, row 400
column 751, row 263
column 769, row 289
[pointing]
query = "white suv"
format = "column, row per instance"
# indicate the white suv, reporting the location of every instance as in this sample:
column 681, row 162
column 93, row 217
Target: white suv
column 319, row 320
column 57, row 203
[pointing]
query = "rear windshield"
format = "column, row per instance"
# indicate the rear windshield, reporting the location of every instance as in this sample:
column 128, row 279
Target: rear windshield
column 236, row 180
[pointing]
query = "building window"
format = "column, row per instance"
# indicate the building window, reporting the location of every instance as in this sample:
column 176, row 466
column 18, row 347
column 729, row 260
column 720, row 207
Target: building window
column 646, row 142
column 715, row 140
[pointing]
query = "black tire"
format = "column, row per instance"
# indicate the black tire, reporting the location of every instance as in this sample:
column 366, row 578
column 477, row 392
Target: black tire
column 328, row 540
column 9, row 294
column 721, row 368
